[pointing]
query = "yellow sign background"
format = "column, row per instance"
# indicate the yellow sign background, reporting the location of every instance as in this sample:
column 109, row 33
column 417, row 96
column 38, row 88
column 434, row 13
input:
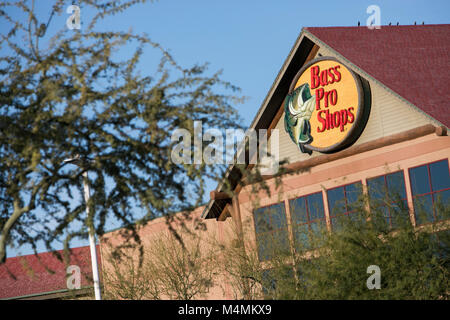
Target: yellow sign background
column 347, row 96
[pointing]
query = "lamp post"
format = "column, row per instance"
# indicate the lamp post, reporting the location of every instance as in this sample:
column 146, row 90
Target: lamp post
column 77, row 161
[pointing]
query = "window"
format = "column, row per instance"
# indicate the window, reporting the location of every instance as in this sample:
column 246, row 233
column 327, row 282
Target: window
column 388, row 194
column 430, row 186
column 308, row 219
column 271, row 230
column 342, row 202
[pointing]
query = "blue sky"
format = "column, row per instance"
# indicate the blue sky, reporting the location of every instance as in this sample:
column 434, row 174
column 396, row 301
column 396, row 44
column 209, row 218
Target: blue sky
column 248, row 40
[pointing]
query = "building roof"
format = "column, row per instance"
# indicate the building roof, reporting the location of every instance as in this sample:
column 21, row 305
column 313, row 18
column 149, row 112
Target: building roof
column 413, row 61
column 34, row 275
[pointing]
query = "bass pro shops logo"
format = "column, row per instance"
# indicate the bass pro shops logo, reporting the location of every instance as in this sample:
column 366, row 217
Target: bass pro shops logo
column 327, row 107
column 298, row 108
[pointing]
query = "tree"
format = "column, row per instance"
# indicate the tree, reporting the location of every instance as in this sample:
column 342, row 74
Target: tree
column 80, row 94
column 183, row 270
column 242, row 269
column 169, row 269
column 413, row 261
column 129, row 278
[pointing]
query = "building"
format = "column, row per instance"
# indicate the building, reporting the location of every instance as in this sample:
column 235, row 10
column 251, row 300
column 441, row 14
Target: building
column 353, row 108
column 365, row 107
column 44, row 276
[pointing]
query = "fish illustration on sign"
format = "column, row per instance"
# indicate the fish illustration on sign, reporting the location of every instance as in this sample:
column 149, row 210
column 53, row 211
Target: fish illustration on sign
column 298, row 108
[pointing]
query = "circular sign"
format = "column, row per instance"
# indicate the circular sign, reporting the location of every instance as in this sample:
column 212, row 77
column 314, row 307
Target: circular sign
column 325, row 109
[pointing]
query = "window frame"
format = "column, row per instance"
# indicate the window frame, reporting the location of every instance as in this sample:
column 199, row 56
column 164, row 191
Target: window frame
column 309, row 222
column 271, row 232
column 385, row 185
column 427, row 193
column 347, row 212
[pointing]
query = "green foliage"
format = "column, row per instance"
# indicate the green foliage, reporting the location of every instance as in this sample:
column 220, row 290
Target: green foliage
column 414, row 262
column 78, row 96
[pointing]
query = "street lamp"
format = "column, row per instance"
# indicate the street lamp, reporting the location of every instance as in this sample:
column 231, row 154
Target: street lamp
column 79, row 162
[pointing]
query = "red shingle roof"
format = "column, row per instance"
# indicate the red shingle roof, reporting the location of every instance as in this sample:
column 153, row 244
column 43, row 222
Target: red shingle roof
column 27, row 275
column 413, row 61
